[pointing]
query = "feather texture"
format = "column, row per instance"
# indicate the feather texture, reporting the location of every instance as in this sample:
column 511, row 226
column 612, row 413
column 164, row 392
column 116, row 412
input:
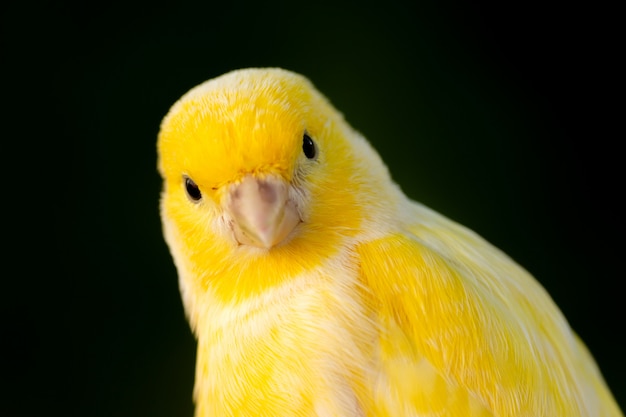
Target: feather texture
column 373, row 305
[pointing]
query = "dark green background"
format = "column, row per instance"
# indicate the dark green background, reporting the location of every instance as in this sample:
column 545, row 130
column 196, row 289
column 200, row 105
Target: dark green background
column 499, row 116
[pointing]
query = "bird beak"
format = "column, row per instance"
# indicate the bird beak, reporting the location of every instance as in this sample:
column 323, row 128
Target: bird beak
column 261, row 211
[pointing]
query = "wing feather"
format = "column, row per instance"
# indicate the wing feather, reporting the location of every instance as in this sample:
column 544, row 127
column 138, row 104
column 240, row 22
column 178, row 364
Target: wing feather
column 464, row 325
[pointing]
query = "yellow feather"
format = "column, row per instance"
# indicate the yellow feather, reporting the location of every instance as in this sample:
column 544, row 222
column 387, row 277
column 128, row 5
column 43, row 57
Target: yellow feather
column 373, row 305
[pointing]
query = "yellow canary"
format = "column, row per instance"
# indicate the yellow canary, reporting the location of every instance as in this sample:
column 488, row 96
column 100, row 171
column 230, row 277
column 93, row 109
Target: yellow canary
column 315, row 287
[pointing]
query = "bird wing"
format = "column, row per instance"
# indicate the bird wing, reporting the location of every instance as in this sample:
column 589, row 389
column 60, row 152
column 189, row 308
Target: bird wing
column 465, row 331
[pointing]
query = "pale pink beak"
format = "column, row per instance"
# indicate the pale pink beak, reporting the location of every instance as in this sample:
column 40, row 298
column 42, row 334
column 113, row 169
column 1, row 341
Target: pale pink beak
column 262, row 213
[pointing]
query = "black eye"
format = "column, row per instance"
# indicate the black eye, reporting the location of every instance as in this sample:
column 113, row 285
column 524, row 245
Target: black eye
column 192, row 189
column 308, row 146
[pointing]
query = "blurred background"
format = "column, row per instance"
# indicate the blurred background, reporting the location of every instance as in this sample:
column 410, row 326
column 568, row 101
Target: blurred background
column 500, row 116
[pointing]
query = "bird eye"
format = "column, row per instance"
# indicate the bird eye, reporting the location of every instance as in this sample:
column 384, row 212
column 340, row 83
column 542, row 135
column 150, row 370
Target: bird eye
column 308, row 146
column 192, row 190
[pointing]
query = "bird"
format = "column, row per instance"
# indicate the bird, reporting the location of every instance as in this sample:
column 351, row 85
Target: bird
column 314, row 286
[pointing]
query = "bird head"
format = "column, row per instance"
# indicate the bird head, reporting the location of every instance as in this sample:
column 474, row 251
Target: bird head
column 258, row 163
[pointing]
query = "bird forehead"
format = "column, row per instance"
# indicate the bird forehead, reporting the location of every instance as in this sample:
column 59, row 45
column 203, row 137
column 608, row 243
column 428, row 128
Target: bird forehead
column 223, row 141
column 252, row 121
column 248, row 127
